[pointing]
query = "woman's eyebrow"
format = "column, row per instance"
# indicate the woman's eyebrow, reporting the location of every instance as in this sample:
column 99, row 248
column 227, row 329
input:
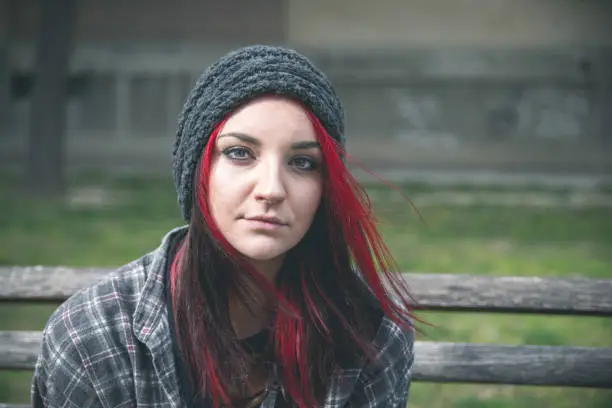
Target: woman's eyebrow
column 306, row 144
column 242, row 136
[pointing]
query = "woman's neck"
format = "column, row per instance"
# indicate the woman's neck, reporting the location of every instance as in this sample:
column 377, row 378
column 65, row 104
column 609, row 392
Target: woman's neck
column 269, row 268
column 251, row 318
column 253, row 314
column 256, row 314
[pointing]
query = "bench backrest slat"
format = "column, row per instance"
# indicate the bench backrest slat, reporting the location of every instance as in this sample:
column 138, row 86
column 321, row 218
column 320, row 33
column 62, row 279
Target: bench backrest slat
column 565, row 366
column 437, row 362
column 453, row 292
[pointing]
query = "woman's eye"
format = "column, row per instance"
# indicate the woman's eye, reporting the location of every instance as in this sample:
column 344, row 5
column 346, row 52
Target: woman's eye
column 237, row 153
column 304, row 163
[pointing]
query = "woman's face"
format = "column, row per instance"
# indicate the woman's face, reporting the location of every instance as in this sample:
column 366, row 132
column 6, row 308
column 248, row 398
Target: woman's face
column 265, row 179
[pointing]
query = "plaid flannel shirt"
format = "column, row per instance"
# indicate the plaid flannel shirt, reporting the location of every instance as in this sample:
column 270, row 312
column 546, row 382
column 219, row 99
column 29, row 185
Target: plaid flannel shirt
column 109, row 346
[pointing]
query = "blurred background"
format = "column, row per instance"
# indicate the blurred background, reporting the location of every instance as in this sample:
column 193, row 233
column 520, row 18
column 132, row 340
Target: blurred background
column 493, row 116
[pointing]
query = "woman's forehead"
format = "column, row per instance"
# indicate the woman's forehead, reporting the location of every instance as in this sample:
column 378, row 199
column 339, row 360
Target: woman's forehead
column 271, row 118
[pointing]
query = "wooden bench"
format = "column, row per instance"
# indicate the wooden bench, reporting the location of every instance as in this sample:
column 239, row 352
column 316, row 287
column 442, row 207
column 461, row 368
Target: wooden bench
column 566, row 366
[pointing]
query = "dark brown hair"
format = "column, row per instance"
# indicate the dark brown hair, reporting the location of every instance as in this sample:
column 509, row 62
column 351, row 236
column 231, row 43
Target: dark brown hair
column 332, row 290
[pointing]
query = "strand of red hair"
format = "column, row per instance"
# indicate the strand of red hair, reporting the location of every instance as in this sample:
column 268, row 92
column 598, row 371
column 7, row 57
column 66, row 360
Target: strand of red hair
column 350, row 204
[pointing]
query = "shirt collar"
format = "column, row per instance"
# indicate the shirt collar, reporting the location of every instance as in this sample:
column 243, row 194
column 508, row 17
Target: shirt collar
column 150, row 322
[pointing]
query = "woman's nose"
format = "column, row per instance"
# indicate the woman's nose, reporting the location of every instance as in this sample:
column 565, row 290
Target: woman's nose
column 269, row 184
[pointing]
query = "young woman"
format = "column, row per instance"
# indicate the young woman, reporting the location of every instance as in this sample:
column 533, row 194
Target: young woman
column 279, row 291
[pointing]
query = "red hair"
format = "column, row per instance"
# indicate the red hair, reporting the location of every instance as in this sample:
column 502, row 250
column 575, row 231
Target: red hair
column 325, row 323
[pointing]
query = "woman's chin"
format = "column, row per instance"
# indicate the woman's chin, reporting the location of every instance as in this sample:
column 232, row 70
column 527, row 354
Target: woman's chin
column 264, row 255
column 263, row 250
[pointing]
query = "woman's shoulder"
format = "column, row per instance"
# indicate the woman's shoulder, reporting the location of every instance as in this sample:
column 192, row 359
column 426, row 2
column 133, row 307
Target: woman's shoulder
column 393, row 335
column 395, row 338
column 89, row 339
column 98, row 344
column 394, row 348
column 113, row 300
column 101, row 305
column 134, row 291
column 385, row 379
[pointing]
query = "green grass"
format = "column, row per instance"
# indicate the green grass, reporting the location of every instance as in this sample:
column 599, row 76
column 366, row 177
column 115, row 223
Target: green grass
column 480, row 240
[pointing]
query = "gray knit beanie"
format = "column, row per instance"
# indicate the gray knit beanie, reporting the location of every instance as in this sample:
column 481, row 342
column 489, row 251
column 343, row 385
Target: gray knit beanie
column 236, row 78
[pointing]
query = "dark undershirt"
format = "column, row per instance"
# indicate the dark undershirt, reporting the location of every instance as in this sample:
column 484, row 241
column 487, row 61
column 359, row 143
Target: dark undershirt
column 255, row 344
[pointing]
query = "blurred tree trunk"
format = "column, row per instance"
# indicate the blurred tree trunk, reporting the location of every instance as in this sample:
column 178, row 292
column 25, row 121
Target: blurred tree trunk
column 5, row 86
column 5, row 70
column 45, row 167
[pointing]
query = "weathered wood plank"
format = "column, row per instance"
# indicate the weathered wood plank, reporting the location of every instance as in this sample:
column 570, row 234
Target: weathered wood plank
column 32, row 283
column 438, row 362
column 549, row 295
column 565, row 366
column 18, row 349
column 15, row 406
column 577, row 296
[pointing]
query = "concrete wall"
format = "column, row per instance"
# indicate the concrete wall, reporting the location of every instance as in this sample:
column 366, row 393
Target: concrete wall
column 456, row 108
column 167, row 22
column 504, row 84
column 359, row 24
column 334, row 24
